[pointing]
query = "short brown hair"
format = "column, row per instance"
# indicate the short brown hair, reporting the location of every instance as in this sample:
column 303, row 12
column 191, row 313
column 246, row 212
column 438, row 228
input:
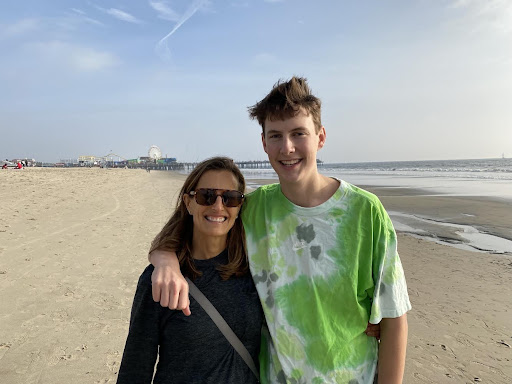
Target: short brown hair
column 176, row 235
column 285, row 100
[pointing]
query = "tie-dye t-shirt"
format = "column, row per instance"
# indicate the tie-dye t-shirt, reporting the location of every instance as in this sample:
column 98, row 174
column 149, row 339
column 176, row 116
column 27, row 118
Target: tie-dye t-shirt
column 322, row 273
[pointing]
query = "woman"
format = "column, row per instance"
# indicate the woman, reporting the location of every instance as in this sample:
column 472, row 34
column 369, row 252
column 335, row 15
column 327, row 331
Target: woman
column 208, row 237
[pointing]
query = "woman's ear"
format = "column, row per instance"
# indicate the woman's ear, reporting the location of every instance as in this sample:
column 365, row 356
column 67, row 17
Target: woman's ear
column 186, row 200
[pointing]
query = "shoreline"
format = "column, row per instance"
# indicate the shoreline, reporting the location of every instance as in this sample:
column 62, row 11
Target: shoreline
column 475, row 223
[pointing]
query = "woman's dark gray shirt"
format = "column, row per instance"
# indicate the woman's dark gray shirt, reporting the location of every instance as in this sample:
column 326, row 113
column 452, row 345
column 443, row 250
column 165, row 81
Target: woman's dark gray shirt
column 192, row 349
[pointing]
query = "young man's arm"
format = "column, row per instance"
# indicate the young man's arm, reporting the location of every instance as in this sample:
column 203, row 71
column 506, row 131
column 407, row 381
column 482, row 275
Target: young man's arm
column 393, row 343
column 169, row 287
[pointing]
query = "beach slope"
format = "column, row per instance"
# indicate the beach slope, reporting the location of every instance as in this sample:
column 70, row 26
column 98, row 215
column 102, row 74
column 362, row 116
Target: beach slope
column 73, row 243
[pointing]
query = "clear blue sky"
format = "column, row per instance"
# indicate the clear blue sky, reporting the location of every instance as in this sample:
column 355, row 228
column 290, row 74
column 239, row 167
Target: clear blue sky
column 399, row 80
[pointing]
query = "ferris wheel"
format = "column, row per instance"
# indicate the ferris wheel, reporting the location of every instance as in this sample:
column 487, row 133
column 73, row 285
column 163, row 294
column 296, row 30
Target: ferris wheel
column 154, row 152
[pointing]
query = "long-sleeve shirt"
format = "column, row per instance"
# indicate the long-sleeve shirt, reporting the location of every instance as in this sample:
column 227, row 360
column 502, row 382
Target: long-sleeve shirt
column 192, row 349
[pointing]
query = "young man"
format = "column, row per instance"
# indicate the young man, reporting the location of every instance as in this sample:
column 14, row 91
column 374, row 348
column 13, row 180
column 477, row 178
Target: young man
column 323, row 256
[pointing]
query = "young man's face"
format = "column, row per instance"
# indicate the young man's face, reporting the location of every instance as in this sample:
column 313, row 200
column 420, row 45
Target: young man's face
column 291, row 146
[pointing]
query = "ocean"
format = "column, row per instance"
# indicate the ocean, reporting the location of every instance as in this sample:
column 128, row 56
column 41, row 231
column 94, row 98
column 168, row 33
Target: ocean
column 476, row 177
column 471, row 178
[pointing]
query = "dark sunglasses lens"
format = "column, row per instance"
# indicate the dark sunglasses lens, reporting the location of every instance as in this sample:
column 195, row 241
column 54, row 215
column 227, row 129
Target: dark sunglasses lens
column 203, row 197
column 209, row 197
column 232, row 198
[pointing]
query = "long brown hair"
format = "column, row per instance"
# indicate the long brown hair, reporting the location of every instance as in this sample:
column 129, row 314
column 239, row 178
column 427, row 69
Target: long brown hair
column 176, row 235
column 285, row 100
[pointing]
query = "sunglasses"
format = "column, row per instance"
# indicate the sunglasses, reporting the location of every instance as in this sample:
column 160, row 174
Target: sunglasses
column 208, row 196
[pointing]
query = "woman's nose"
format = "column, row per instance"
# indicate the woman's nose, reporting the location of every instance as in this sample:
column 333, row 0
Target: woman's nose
column 218, row 203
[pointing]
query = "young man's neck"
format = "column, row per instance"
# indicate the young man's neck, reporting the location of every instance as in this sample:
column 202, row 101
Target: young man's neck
column 310, row 193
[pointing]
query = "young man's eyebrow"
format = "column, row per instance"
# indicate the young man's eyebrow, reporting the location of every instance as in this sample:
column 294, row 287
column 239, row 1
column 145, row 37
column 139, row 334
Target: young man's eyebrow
column 273, row 131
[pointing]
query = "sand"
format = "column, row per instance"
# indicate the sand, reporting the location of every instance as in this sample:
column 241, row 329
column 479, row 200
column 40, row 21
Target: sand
column 74, row 241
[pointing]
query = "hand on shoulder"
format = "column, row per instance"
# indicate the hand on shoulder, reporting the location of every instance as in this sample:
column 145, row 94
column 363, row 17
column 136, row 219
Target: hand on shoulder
column 169, row 287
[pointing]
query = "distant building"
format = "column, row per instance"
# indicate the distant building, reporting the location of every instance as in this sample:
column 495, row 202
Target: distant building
column 25, row 161
column 88, row 161
column 166, row 160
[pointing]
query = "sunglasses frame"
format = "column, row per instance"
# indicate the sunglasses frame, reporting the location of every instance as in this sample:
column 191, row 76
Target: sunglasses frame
column 206, row 196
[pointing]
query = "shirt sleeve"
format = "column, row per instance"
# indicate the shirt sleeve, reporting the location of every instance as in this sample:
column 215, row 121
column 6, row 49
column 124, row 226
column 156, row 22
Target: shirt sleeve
column 141, row 349
column 390, row 297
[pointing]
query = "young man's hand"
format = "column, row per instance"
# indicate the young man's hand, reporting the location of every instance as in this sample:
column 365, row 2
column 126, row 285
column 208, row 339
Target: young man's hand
column 169, row 287
column 373, row 330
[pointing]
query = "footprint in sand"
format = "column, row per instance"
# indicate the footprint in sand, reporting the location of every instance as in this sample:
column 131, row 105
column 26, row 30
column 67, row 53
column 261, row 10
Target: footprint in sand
column 4, row 347
column 113, row 358
column 422, row 378
column 82, row 348
column 103, row 381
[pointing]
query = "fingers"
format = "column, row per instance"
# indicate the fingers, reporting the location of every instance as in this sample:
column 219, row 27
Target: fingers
column 164, row 296
column 155, row 289
column 183, row 301
column 158, row 287
column 373, row 330
column 170, row 289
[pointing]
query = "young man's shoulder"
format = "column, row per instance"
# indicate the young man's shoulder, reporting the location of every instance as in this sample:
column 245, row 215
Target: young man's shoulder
column 346, row 190
column 264, row 192
column 359, row 193
column 264, row 189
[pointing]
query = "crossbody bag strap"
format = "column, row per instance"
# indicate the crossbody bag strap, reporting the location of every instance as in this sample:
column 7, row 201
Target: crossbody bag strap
column 223, row 326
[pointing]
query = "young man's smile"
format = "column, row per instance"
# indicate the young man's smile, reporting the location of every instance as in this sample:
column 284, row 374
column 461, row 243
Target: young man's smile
column 289, row 163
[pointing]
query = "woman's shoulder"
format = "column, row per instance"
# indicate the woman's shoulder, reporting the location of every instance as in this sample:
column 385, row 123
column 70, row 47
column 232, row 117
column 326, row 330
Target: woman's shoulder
column 145, row 277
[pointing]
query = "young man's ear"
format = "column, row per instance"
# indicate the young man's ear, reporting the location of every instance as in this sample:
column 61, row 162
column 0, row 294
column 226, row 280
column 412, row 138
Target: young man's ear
column 264, row 142
column 321, row 137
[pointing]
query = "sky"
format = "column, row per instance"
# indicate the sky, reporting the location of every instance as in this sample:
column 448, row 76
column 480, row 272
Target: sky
column 398, row 80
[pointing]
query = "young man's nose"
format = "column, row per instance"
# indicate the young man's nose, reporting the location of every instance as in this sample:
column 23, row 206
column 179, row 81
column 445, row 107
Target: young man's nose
column 287, row 146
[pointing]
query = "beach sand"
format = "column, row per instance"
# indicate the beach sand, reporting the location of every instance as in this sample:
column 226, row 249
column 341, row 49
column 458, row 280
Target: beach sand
column 74, row 241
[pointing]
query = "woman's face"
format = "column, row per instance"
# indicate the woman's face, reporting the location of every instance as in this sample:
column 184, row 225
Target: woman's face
column 215, row 220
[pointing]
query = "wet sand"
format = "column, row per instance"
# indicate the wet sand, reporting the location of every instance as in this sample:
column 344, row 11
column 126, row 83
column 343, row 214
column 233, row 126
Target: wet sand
column 74, row 241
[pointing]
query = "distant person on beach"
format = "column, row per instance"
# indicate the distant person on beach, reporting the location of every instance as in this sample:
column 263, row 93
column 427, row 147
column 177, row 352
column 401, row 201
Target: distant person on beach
column 4, row 166
column 323, row 256
column 208, row 236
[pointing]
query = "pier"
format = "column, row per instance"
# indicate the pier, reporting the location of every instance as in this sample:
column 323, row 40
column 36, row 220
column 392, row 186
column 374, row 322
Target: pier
column 252, row 164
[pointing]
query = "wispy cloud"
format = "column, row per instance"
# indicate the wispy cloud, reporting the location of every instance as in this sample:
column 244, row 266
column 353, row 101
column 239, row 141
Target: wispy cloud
column 164, row 10
column 240, row 4
column 79, row 11
column 20, row 27
column 162, row 48
column 122, row 15
column 81, row 15
column 72, row 56
column 119, row 14
column 486, row 14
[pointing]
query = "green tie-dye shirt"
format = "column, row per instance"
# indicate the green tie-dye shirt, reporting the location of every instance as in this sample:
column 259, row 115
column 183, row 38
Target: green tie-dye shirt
column 322, row 273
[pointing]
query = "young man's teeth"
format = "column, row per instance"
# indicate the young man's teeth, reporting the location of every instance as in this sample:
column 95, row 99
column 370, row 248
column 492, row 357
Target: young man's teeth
column 289, row 162
column 216, row 219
